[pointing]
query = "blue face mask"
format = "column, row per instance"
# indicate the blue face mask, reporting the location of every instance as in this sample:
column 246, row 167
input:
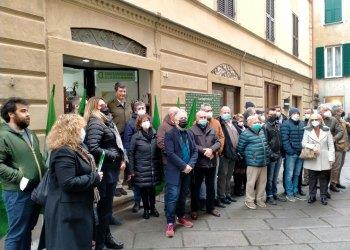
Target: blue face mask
column 226, row 117
column 256, row 127
column 202, row 123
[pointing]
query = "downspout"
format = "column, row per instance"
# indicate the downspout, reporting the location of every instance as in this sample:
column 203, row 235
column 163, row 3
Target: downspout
column 312, row 54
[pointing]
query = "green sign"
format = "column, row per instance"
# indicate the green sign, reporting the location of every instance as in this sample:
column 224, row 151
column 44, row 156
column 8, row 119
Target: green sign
column 212, row 99
column 107, row 76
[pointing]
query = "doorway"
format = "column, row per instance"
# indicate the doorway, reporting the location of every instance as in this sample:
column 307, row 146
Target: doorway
column 230, row 96
column 271, row 95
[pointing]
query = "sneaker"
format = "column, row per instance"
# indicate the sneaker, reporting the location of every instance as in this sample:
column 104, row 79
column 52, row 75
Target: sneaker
column 280, row 197
column 290, row 198
column 250, row 205
column 170, row 230
column 271, row 201
column 122, row 191
column 261, row 204
column 340, row 186
column 185, row 222
column 299, row 197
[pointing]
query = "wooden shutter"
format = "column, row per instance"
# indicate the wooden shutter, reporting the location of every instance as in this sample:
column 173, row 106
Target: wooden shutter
column 270, row 20
column 333, row 11
column 295, row 35
column 346, row 59
column 320, row 62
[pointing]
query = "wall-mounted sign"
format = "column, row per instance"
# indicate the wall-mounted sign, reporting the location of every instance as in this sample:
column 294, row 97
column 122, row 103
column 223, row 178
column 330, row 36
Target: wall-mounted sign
column 107, row 76
column 212, row 99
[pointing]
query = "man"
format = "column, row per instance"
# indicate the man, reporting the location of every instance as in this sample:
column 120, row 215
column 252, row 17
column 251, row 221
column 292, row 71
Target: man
column 138, row 108
column 341, row 146
column 280, row 115
column 273, row 136
column 292, row 131
column 208, row 146
column 21, row 169
column 337, row 132
column 182, row 155
column 253, row 147
column 228, row 156
column 304, row 179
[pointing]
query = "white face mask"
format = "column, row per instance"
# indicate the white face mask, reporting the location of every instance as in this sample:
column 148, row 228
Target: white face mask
column 327, row 114
column 315, row 123
column 240, row 124
column 210, row 115
column 141, row 112
column 295, row 117
column 278, row 114
column 82, row 135
column 146, row 125
column 307, row 116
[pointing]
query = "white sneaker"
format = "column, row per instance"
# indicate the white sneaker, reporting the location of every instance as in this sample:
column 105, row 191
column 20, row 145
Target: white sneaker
column 290, row 198
column 250, row 205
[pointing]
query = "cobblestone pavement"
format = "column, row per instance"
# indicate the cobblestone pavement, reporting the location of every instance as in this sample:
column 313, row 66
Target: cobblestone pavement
column 288, row 225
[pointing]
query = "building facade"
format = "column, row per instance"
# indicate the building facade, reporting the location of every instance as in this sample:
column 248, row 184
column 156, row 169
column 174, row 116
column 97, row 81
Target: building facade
column 332, row 51
column 259, row 51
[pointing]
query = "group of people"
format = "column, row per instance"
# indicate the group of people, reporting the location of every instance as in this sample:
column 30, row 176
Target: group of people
column 210, row 162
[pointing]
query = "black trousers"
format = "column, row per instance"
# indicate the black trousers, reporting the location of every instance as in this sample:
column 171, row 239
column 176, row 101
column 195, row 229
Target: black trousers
column 323, row 178
column 209, row 175
column 148, row 196
column 300, row 182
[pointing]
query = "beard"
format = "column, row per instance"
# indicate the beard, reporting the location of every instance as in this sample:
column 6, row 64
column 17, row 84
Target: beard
column 22, row 123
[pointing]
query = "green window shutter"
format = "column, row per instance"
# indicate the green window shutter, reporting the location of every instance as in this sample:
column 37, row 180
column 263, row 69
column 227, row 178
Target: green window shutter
column 346, row 59
column 320, row 63
column 333, row 11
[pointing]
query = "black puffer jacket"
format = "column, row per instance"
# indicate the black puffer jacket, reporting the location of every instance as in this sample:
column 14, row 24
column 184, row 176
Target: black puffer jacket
column 144, row 160
column 273, row 136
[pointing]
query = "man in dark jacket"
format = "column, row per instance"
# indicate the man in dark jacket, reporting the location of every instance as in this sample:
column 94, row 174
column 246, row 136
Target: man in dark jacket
column 208, row 146
column 281, row 117
column 292, row 131
column 253, row 147
column 273, row 136
column 21, row 169
column 182, row 155
column 228, row 157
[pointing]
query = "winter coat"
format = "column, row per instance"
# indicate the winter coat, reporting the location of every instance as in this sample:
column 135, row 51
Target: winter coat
column 254, row 148
column 144, row 160
column 292, row 134
column 129, row 131
column 273, row 136
column 166, row 126
column 175, row 164
column 69, row 205
column 120, row 113
column 335, row 127
column 205, row 139
column 325, row 145
column 229, row 150
column 215, row 124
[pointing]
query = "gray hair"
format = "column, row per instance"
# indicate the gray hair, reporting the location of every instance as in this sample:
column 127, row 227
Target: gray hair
column 180, row 113
column 205, row 105
column 324, row 106
column 201, row 112
column 252, row 117
column 173, row 110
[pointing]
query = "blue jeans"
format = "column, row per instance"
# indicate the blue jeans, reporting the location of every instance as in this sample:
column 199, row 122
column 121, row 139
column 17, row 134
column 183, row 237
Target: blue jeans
column 23, row 214
column 137, row 195
column 273, row 170
column 175, row 198
column 291, row 174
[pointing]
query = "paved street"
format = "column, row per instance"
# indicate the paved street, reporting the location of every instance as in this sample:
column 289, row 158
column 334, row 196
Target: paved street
column 289, row 226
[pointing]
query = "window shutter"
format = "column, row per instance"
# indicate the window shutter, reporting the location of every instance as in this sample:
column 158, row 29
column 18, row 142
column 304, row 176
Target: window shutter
column 337, row 10
column 320, row 63
column 230, row 9
column 221, row 6
column 333, row 11
column 346, row 59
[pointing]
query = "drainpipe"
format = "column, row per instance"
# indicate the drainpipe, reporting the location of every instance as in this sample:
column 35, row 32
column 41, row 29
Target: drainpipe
column 313, row 81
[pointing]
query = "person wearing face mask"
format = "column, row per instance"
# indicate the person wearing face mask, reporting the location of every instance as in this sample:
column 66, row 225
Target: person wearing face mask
column 304, row 178
column 182, row 155
column 72, row 188
column 102, row 136
column 139, row 108
column 228, row 156
column 292, row 132
column 318, row 138
column 337, row 133
column 254, row 148
column 145, row 163
column 281, row 117
column 208, row 146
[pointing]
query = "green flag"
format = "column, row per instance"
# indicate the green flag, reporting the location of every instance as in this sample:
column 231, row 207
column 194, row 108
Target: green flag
column 192, row 115
column 178, row 102
column 51, row 114
column 156, row 117
column 82, row 103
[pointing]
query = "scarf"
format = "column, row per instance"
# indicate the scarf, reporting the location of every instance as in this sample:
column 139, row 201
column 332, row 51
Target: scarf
column 118, row 139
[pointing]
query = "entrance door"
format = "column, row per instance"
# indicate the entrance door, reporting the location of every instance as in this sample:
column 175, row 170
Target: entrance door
column 296, row 101
column 230, row 96
column 271, row 95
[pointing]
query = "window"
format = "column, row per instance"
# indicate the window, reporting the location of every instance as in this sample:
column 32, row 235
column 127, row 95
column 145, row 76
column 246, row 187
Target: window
column 230, row 96
column 332, row 11
column 271, row 95
column 227, row 7
column 270, row 20
column 333, row 61
column 295, row 35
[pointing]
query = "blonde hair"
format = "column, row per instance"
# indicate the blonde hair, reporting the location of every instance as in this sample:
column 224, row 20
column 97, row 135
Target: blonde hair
column 91, row 109
column 66, row 132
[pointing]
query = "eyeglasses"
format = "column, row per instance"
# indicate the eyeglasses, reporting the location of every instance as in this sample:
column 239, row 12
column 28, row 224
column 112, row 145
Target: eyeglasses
column 203, row 117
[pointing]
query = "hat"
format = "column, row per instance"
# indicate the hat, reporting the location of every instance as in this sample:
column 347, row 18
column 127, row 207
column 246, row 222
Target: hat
column 249, row 105
column 293, row 111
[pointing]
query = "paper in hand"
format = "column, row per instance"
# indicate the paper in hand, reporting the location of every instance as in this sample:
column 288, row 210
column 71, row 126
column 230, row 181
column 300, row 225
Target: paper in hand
column 23, row 183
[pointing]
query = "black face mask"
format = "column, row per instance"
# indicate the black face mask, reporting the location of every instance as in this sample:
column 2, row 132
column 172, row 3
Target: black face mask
column 273, row 118
column 342, row 114
column 183, row 124
column 105, row 110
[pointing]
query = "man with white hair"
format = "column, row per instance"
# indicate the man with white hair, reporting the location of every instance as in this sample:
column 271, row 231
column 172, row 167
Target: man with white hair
column 254, row 148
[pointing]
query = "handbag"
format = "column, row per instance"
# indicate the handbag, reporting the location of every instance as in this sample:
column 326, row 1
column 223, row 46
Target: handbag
column 39, row 193
column 308, row 154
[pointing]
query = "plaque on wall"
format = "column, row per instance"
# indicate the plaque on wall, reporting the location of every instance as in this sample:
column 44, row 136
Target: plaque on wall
column 212, row 99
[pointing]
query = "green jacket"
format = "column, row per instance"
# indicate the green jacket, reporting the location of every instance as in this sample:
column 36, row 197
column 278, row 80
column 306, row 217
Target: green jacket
column 17, row 159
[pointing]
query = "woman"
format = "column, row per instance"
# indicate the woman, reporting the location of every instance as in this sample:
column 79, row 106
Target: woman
column 239, row 173
column 318, row 138
column 102, row 136
column 71, row 193
column 145, row 164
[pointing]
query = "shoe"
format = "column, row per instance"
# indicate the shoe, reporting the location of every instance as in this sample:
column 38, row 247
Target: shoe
column 117, row 193
column 261, row 204
column 170, row 230
column 250, row 205
column 271, row 201
column 154, row 212
column 334, row 189
column 194, row 215
column 219, row 204
column 135, row 208
column 225, row 201
column 280, row 197
column 111, row 243
column 299, row 197
column 115, row 221
column 311, row 200
column 122, row 191
column 340, row 186
column 202, row 204
column 290, row 198
column 324, row 201
column 231, row 199
column 214, row 212
column 328, row 195
column 302, row 193
column 185, row 222
column 146, row 215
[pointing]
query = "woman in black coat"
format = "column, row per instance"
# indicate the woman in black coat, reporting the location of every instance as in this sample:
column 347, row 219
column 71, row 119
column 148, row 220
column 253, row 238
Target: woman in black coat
column 102, row 136
column 144, row 164
column 69, row 205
